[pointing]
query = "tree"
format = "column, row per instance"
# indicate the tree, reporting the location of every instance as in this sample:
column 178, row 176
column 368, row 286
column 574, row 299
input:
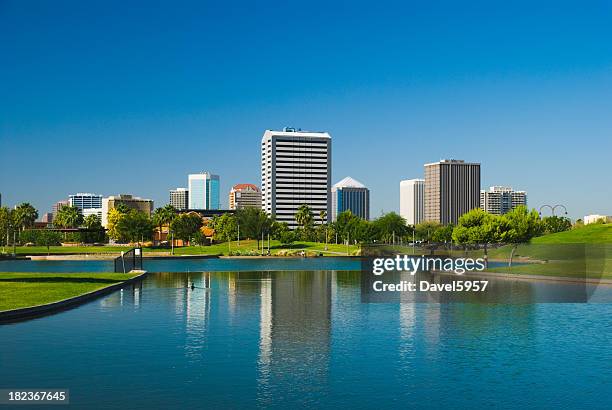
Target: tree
column 425, row 230
column 40, row 237
column 553, row 224
column 164, row 216
column 346, row 224
column 226, row 228
column 184, row 226
column 95, row 231
column 391, row 226
column 304, row 216
column 277, row 229
column 113, row 218
column 253, row 223
column 6, row 225
column 91, row 221
column 68, row 217
column 443, row 234
column 322, row 216
column 477, row 227
column 48, row 238
column 519, row 226
column 135, row 226
column 25, row 215
column 287, row 237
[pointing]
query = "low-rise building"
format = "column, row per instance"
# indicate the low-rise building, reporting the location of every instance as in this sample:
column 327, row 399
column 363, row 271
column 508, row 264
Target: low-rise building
column 132, row 202
column 244, row 196
column 595, row 218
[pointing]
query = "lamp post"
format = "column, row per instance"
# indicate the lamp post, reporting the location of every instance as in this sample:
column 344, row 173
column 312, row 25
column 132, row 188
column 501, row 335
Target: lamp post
column 553, row 208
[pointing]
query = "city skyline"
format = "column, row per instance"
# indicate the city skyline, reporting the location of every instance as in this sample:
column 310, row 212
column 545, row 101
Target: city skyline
column 492, row 84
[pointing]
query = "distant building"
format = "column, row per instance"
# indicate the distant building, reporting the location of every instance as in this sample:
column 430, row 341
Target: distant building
column 452, row 188
column 88, row 204
column 295, row 170
column 85, row 201
column 92, row 211
column 591, row 219
column 204, row 191
column 412, row 200
column 350, row 194
column 47, row 218
column 499, row 200
column 179, row 198
column 57, row 206
column 244, row 196
column 132, row 202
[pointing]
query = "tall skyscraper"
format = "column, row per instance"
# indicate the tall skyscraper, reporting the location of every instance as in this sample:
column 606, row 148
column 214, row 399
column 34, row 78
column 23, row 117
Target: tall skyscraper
column 412, row 200
column 295, row 170
column 179, row 198
column 350, row 194
column 204, row 191
column 452, row 188
column 499, row 200
column 243, row 196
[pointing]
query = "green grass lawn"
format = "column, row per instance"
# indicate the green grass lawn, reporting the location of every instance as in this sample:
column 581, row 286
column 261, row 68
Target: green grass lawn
column 19, row 290
column 246, row 246
column 594, row 233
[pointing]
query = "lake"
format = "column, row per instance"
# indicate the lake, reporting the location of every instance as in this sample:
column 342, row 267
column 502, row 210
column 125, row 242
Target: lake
column 247, row 336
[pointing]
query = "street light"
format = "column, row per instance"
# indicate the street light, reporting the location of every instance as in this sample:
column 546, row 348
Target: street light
column 552, row 208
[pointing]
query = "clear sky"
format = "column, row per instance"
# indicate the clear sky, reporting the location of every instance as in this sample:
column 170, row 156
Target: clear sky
column 120, row 97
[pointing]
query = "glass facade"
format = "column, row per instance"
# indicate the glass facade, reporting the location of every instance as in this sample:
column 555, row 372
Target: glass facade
column 204, row 191
column 212, row 185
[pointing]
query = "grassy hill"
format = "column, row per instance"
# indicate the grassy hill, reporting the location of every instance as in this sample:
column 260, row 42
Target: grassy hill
column 594, row 233
column 580, row 252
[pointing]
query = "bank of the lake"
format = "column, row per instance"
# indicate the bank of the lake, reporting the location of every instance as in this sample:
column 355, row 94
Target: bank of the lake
column 245, row 247
column 27, row 289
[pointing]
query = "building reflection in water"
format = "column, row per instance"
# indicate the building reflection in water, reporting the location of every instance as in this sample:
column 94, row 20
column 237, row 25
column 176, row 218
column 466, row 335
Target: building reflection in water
column 197, row 313
column 295, row 331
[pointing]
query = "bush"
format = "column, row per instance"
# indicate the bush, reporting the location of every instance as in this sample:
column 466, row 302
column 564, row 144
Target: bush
column 288, row 237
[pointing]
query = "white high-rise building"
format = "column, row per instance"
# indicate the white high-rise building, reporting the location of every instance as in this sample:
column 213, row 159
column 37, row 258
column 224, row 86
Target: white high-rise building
column 85, row 201
column 295, row 170
column 88, row 204
column 204, row 191
column 179, row 198
column 499, row 200
column 412, row 200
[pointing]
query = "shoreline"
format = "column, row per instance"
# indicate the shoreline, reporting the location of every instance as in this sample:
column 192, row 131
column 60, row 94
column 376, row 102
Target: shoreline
column 32, row 312
column 527, row 277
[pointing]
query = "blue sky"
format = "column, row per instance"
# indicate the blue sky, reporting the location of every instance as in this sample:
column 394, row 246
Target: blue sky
column 109, row 97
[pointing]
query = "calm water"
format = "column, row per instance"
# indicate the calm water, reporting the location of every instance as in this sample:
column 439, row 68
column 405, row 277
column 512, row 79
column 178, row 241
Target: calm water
column 303, row 338
column 187, row 265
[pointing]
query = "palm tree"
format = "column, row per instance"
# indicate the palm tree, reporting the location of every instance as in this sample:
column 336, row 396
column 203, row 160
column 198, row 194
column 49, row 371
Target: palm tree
column 25, row 215
column 91, row 221
column 163, row 216
column 322, row 215
column 303, row 216
column 68, row 217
